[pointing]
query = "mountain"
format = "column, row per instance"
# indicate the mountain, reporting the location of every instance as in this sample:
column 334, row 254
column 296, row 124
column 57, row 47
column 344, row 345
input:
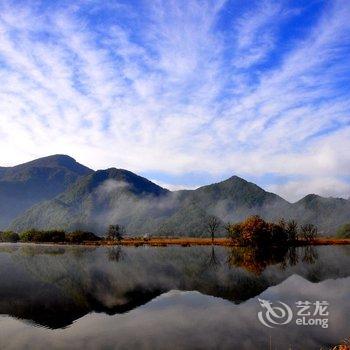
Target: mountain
column 26, row 184
column 101, row 198
column 231, row 200
column 326, row 213
column 71, row 196
column 119, row 196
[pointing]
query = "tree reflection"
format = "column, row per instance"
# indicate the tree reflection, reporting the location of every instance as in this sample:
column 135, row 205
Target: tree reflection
column 310, row 255
column 33, row 250
column 291, row 258
column 256, row 260
column 213, row 261
column 115, row 254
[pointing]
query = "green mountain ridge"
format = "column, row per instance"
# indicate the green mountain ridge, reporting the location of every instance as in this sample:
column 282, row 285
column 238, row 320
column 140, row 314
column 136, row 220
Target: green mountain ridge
column 93, row 202
column 326, row 213
column 111, row 196
column 27, row 184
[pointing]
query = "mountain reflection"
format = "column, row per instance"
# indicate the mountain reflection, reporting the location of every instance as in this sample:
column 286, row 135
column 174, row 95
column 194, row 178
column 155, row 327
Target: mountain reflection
column 53, row 286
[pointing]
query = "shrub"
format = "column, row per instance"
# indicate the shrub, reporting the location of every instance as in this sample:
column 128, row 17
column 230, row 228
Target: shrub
column 34, row 235
column 55, row 236
column 81, row 236
column 292, row 231
column 30, row 236
column 9, row 236
column 234, row 232
column 308, row 232
column 115, row 232
column 344, row 231
column 278, row 233
column 255, row 231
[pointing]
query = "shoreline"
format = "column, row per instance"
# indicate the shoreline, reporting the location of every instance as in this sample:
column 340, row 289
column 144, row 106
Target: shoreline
column 186, row 242
column 192, row 241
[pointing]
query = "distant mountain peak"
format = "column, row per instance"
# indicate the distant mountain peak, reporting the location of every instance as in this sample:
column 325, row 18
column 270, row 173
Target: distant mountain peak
column 316, row 198
column 49, row 160
column 312, row 196
column 26, row 184
column 57, row 161
column 53, row 161
column 138, row 184
column 62, row 159
column 235, row 178
column 238, row 180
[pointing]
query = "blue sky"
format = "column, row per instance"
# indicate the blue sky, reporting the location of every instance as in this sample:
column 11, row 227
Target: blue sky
column 185, row 93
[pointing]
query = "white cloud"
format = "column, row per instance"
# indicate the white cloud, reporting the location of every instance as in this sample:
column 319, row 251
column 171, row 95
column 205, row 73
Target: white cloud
column 324, row 186
column 175, row 187
column 171, row 93
column 256, row 33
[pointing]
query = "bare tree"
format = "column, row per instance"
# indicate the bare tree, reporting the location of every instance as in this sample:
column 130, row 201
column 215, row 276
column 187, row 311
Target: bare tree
column 309, row 232
column 213, row 224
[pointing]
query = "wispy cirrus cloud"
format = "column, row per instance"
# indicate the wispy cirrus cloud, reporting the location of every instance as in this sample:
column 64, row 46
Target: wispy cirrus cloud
column 180, row 87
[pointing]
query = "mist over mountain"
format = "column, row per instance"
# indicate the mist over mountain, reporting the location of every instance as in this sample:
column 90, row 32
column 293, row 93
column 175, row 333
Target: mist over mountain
column 231, row 200
column 26, row 184
column 71, row 196
column 326, row 213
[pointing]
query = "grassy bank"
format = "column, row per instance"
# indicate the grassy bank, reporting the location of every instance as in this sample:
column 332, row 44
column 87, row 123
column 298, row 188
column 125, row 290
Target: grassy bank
column 188, row 241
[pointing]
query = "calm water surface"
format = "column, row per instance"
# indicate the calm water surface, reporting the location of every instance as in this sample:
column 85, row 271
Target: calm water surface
column 172, row 297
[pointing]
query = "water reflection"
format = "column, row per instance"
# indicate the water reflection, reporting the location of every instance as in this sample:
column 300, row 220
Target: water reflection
column 54, row 286
column 257, row 260
column 213, row 261
column 115, row 254
column 310, row 255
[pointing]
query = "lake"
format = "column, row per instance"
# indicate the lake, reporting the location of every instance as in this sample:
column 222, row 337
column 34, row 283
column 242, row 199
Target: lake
column 76, row 297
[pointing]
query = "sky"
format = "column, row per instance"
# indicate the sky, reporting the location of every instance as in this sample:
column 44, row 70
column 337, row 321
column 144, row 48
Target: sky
column 185, row 92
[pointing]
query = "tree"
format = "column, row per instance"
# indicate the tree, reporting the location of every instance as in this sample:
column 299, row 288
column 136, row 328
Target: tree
column 79, row 236
column 282, row 223
column 256, row 231
column 213, row 224
column 278, row 233
column 9, row 236
column 309, row 232
column 31, row 235
column 34, row 235
column 292, row 231
column 115, row 232
column 234, row 232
